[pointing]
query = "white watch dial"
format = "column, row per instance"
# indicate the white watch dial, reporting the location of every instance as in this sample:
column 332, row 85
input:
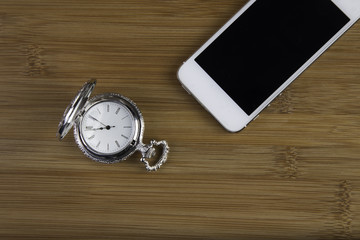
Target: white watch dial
column 108, row 127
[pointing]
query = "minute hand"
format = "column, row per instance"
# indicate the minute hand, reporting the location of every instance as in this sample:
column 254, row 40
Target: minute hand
column 96, row 120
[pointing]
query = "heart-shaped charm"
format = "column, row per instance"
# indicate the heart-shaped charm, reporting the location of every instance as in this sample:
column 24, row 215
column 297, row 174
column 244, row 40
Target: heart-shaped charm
column 148, row 151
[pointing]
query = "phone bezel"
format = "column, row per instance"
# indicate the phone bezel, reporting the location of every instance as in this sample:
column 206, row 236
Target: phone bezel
column 213, row 98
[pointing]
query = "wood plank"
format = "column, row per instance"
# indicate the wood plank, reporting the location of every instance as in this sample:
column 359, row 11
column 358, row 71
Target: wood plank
column 292, row 174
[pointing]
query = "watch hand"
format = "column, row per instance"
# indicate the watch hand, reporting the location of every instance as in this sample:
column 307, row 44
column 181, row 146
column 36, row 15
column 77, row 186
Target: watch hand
column 96, row 120
column 102, row 128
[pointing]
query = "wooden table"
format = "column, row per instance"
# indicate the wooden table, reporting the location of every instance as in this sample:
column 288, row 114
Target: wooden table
column 294, row 173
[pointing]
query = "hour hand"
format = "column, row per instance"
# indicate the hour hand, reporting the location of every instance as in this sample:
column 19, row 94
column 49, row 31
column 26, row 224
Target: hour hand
column 95, row 129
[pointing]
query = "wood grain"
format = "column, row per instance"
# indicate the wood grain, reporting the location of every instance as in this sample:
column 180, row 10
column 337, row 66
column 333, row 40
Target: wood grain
column 292, row 174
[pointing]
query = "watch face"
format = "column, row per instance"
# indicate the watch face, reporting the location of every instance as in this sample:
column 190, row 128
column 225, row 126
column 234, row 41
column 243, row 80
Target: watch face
column 108, row 127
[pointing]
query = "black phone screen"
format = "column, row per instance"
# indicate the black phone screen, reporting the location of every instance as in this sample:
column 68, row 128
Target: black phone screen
column 267, row 44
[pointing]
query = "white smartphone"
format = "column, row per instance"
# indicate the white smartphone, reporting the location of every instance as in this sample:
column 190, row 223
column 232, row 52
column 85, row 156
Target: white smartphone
column 259, row 52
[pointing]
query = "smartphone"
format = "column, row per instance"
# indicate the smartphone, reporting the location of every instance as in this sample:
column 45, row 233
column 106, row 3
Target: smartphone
column 259, row 52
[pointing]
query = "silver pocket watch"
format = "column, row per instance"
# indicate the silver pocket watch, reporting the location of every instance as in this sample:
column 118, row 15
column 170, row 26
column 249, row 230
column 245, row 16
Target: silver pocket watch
column 108, row 128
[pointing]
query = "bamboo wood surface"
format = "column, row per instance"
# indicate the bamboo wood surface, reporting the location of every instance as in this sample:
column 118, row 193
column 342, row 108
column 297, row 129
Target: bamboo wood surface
column 294, row 173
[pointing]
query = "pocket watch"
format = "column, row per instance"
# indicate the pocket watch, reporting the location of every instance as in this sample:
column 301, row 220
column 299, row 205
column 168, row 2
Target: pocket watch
column 108, row 128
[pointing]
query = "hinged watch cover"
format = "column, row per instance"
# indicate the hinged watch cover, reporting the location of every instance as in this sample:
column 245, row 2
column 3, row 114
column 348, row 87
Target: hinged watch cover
column 74, row 109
